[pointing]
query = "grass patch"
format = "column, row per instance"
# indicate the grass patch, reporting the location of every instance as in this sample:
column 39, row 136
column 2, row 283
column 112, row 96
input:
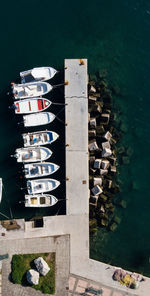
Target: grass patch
column 22, row 263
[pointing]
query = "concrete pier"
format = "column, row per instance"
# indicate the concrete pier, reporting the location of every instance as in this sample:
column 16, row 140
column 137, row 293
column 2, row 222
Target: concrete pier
column 75, row 224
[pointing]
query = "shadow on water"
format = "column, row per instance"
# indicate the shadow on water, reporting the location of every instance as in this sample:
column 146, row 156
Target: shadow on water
column 11, row 171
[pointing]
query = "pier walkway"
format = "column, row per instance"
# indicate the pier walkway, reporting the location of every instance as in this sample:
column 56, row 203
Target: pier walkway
column 81, row 271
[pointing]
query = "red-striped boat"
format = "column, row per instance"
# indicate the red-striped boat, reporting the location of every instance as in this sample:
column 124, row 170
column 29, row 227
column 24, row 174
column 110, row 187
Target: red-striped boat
column 31, row 105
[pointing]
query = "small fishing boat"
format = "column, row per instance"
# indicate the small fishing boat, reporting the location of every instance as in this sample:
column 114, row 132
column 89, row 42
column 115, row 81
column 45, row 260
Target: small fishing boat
column 39, row 138
column 1, row 189
column 37, row 74
column 32, row 154
column 31, row 105
column 40, row 200
column 30, row 90
column 34, row 170
column 36, row 119
column 41, row 185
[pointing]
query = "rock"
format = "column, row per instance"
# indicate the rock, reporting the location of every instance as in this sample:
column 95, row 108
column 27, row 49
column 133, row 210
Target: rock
column 102, row 73
column 122, row 203
column 100, row 130
column 41, row 266
column 92, row 89
column 104, row 197
column 92, row 133
column 93, row 146
column 106, row 152
column 113, row 227
column 117, row 219
column 107, row 183
column 98, row 181
column 105, row 118
column 92, row 99
column 104, row 222
column 97, row 163
column 113, row 169
column 112, row 160
column 102, row 209
column 107, row 136
column 125, row 160
column 106, row 145
column 93, row 122
column 103, row 172
column 94, row 199
column 105, row 164
column 91, row 160
column 32, row 277
column 96, row 190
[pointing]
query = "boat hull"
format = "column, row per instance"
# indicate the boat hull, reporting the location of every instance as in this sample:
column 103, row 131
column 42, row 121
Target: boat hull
column 30, row 90
column 27, row 155
column 37, row 119
column 32, row 105
column 41, row 185
column 40, row 200
column 37, row 74
column 36, row 170
column 39, row 138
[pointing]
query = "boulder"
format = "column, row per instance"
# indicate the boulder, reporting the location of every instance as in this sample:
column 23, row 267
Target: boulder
column 106, row 152
column 92, row 99
column 106, row 145
column 105, row 164
column 92, row 133
column 97, row 163
column 113, row 226
column 103, row 172
column 93, row 146
column 41, row 266
column 92, row 89
column 93, row 122
column 105, row 118
column 32, row 277
column 113, row 169
column 98, row 181
column 107, row 136
column 96, row 190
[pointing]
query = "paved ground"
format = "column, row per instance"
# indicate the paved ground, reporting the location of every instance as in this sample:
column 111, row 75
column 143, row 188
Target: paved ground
column 60, row 245
column 79, row 286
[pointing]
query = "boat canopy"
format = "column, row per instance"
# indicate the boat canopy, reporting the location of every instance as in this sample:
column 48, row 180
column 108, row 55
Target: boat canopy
column 39, row 73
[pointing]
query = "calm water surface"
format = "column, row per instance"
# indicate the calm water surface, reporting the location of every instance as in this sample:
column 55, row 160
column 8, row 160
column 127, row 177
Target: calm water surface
column 113, row 36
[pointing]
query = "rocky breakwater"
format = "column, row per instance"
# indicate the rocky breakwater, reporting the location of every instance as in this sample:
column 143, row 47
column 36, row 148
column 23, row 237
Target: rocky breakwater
column 102, row 157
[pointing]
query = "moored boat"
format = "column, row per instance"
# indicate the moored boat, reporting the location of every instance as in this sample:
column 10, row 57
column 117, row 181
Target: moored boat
column 37, row 74
column 41, row 185
column 31, row 105
column 34, row 170
column 40, row 200
column 30, row 90
column 32, row 154
column 39, row 138
column 36, row 119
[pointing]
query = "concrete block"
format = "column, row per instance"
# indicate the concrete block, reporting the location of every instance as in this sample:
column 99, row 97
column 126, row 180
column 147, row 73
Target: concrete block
column 98, row 181
column 105, row 164
column 96, row 190
column 106, row 145
column 106, row 152
column 93, row 146
column 97, row 163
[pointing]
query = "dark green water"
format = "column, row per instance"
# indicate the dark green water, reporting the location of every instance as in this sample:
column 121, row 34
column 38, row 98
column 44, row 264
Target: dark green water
column 113, row 35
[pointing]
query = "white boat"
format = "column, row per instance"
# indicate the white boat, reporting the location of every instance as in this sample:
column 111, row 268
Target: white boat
column 40, row 200
column 30, row 90
column 32, row 154
column 36, row 119
column 34, row 170
column 39, row 138
column 1, row 189
column 32, row 105
column 41, row 185
column 37, row 74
